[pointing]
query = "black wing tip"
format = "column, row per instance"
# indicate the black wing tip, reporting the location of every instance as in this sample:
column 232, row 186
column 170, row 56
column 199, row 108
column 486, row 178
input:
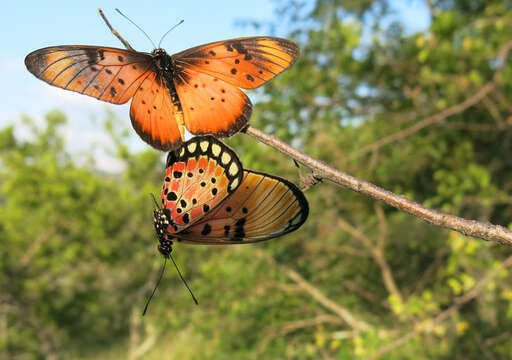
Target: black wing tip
column 239, row 124
column 155, row 143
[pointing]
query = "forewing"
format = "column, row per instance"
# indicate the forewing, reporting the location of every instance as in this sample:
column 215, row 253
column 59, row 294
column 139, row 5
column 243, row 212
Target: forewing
column 199, row 176
column 263, row 207
column 153, row 116
column 210, row 105
column 243, row 62
column 106, row 74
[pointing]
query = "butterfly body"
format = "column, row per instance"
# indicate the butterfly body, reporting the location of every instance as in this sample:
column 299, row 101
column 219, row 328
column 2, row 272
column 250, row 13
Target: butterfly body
column 197, row 89
column 207, row 198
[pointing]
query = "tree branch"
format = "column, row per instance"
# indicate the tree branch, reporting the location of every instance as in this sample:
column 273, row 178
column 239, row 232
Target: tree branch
column 431, row 8
column 317, row 294
column 377, row 252
column 114, row 31
column 296, row 325
column 485, row 231
column 455, row 109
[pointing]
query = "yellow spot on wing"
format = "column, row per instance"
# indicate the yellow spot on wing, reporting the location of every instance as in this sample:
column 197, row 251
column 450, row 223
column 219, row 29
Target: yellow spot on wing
column 234, row 184
column 216, row 149
column 225, row 158
column 192, row 147
column 233, row 169
column 204, row 145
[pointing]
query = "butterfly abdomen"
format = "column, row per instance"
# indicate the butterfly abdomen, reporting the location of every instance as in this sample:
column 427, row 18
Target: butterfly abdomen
column 166, row 70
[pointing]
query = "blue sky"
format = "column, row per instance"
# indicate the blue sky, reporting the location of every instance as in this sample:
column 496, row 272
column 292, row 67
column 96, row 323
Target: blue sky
column 37, row 24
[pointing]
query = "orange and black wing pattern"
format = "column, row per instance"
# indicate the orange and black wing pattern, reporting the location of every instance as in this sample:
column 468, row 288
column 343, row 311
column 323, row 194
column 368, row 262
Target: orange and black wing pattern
column 199, row 176
column 208, row 77
column 153, row 115
column 198, row 88
column 244, row 62
column 107, row 74
column 261, row 208
column 210, row 105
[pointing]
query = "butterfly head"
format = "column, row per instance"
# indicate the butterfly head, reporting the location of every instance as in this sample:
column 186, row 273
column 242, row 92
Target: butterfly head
column 162, row 60
column 161, row 222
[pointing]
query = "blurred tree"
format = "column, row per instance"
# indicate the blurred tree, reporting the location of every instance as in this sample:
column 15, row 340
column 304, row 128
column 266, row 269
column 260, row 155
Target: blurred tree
column 427, row 115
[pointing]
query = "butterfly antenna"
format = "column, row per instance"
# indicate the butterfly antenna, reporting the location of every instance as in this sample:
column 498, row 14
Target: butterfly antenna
column 182, row 279
column 154, row 200
column 168, row 31
column 156, row 286
column 137, row 26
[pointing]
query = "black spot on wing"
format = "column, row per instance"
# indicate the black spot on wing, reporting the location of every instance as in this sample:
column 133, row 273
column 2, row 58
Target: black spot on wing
column 186, row 218
column 206, row 229
column 239, row 233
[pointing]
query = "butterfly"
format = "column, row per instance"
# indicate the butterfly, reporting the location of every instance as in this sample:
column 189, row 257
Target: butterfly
column 208, row 198
column 197, row 89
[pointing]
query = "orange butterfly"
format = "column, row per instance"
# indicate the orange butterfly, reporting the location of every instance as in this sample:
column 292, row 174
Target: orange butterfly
column 208, row 198
column 197, row 88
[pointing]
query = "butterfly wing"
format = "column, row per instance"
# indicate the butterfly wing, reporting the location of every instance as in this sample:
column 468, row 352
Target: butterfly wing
column 199, row 176
column 261, row 208
column 210, row 105
column 153, row 116
column 243, row 62
column 108, row 74
column 207, row 79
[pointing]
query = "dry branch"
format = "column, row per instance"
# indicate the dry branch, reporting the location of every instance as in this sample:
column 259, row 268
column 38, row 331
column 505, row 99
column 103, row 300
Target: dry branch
column 455, row 109
column 467, row 227
column 339, row 310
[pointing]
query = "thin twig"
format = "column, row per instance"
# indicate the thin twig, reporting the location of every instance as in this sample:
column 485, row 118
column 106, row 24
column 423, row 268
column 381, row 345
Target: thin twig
column 378, row 255
column 476, row 127
column 493, row 110
column 368, row 295
column 455, row 109
column 34, row 247
column 297, row 325
column 339, row 310
column 431, row 8
column 114, row 31
column 468, row 296
column 485, row 231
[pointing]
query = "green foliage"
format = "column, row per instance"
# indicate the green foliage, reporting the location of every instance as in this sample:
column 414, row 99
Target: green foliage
column 78, row 251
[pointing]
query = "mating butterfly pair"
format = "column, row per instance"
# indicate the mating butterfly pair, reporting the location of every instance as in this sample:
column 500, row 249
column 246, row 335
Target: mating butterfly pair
column 196, row 89
column 208, row 198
